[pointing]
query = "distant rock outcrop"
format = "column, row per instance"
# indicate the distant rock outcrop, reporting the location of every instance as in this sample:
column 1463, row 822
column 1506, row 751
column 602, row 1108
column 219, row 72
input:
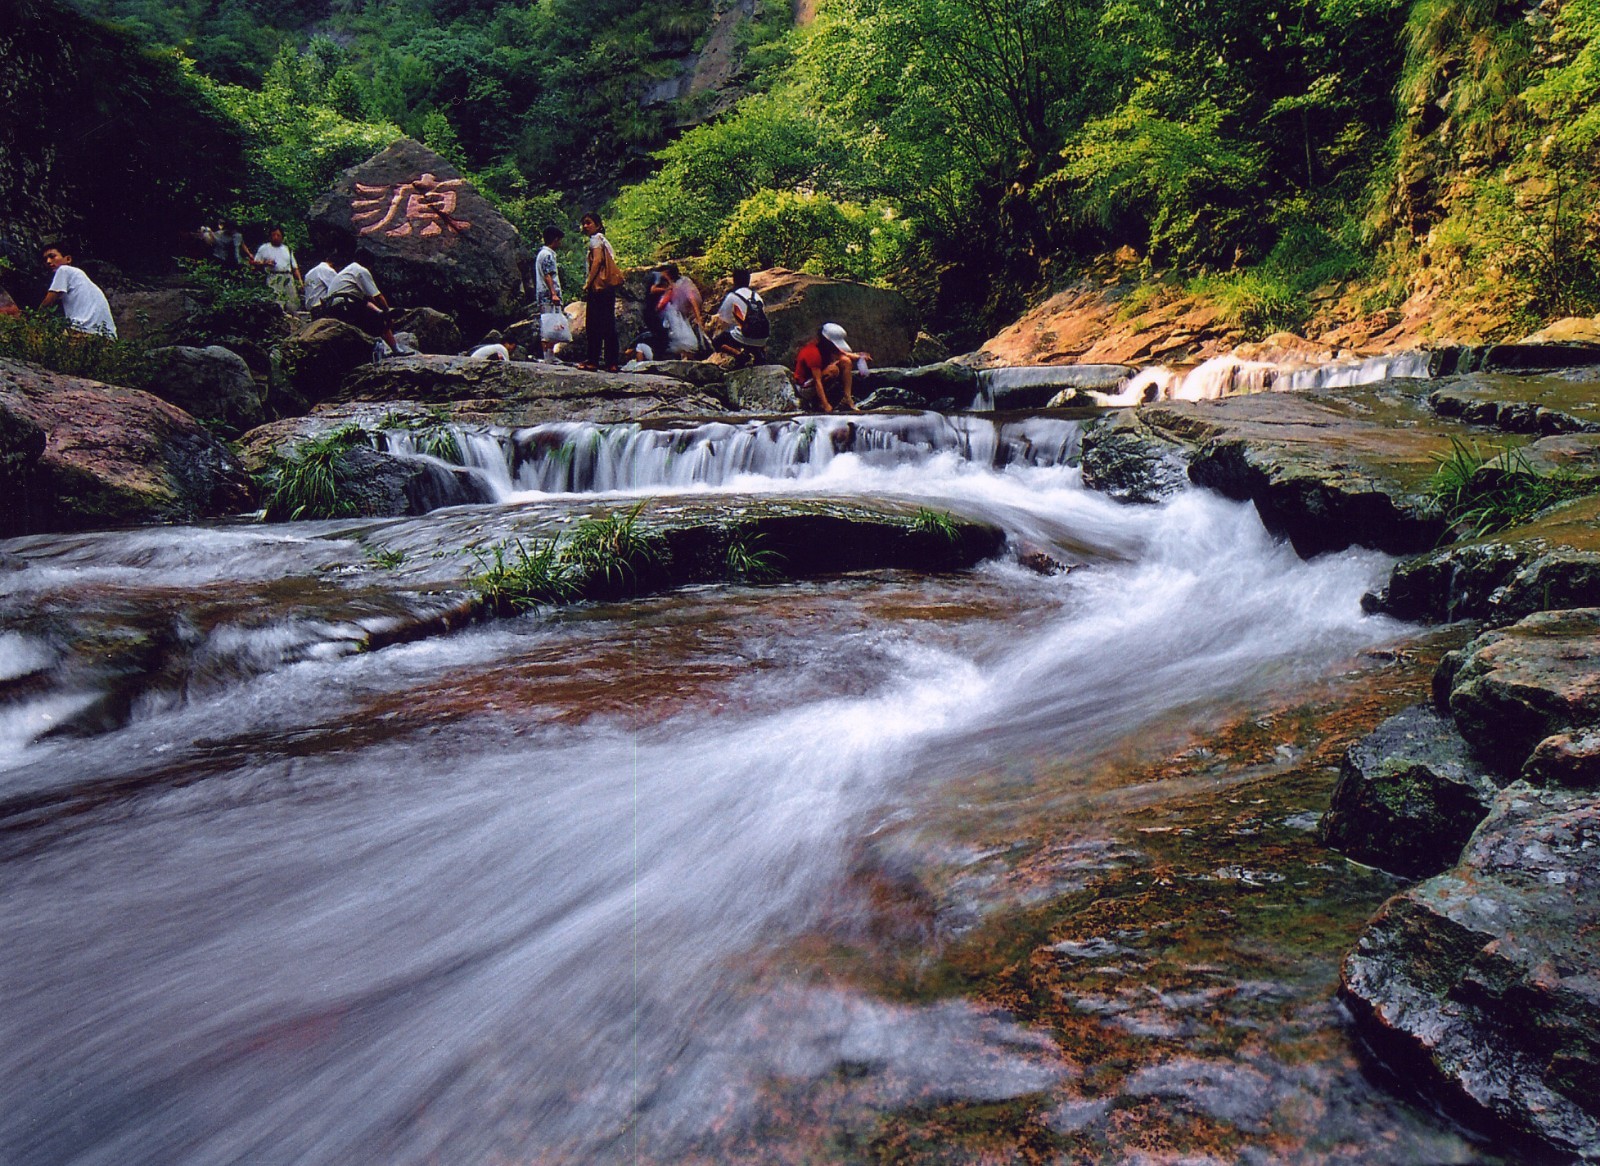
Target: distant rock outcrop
column 430, row 239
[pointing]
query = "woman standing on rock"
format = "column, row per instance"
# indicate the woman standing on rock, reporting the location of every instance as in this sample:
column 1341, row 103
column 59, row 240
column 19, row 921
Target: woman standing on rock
column 600, row 296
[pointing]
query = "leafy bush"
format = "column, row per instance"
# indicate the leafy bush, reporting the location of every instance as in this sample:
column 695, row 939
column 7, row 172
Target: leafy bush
column 763, row 144
column 811, row 232
column 231, row 302
column 307, row 481
column 45, row 338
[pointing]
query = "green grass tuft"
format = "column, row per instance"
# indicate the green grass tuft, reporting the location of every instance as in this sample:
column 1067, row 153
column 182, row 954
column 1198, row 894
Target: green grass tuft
column 511, row 577
column 306, row 482
column 1475, row 503
column 747, row 562
column 935, row 522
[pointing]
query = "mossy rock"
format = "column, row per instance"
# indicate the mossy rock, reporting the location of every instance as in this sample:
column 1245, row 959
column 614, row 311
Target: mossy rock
column 1409, row 796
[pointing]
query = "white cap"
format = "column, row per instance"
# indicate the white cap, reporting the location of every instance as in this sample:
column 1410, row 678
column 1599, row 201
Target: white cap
column 835, row 334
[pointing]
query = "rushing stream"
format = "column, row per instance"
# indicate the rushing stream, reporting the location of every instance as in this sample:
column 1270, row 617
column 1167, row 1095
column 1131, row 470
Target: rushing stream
column 540, row 890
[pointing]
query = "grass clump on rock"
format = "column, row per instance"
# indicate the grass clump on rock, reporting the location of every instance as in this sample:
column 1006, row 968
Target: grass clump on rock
column 1477, row 498
column 512, row 578
column 602, row 558
column 307, row 481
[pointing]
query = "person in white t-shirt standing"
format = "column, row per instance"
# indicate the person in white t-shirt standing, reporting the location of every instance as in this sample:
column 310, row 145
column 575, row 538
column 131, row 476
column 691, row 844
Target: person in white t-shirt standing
column 283, row 273
column 82, row 302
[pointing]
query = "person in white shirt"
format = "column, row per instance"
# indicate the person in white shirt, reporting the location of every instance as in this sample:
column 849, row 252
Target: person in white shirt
column 282, row 271
column 743, row 316
column 505, row 351
column 318, row 280
column 82, row 302
column 354, row 298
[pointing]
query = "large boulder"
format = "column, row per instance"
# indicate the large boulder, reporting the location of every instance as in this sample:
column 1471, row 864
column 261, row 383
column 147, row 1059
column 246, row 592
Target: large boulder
column 152, row 315
column 1511, row 688
column 762, row 388
column 1485, row 982
column 428, row 236
column 212, row 384
column 111, row 456
column 946, row 385
column 433, row 331
column 1409, row 796
column 1125, row 459
column 1340, row 466
column 312, row 364
column 877, row 320
column 1551, row 562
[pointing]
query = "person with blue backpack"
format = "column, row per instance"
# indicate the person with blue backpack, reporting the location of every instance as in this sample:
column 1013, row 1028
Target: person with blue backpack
column 745, row 328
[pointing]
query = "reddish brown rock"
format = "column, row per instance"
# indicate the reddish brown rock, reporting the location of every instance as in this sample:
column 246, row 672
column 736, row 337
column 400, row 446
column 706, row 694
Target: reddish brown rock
column 113, row 456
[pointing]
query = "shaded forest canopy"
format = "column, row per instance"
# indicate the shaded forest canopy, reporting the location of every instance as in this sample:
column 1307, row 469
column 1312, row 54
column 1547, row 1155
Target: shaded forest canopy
column 973, row 152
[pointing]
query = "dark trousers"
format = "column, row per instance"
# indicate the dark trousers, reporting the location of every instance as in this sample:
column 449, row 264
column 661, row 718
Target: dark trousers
column 600, row 322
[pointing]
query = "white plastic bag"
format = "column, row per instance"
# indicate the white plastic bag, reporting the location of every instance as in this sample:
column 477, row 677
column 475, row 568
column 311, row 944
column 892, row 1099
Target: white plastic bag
column 680, row 332
column 555, row 328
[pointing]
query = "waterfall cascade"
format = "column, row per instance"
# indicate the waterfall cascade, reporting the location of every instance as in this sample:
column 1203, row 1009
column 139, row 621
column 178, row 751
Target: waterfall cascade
column 581, row 457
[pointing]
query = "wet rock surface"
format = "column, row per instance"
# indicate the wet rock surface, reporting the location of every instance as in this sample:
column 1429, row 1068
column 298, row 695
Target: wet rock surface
column 1510, row 689
column 525, row 392
column 261, row 599
column 1328, row 469
column 1126, row 459
column 1551, row 562
column 111, row 456
column 1485, row 981
column 1409, row 796
column 1524, row 404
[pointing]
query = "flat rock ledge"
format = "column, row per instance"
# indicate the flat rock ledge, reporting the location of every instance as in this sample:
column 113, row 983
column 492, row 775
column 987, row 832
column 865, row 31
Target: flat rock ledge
column 527, row 393
column 1550, row 563
column 1484, row 983
column 1328, row 469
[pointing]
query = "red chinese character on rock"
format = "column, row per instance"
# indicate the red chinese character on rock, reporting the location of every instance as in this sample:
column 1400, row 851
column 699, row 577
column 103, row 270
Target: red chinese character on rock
column 424, row 205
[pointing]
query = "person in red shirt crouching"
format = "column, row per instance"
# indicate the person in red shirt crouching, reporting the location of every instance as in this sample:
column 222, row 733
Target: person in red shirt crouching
column 824, row 370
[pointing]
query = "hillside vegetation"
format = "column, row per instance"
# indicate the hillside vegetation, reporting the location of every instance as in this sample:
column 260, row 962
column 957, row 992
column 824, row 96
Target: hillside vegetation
column 1270, row 154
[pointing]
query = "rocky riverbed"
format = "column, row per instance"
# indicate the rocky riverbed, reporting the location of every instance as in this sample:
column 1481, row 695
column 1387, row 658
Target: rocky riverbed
column 1178, row 960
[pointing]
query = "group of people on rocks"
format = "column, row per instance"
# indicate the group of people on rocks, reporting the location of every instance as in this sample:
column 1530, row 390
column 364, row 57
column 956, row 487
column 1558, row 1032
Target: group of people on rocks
column 339, row 286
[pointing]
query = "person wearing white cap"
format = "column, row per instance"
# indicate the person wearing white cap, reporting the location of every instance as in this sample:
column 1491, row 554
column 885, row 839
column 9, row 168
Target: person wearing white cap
column 824, row 369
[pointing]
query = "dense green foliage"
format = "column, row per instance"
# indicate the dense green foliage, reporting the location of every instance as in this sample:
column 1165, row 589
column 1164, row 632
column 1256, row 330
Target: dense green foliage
column 101, row 136
column 973, row 152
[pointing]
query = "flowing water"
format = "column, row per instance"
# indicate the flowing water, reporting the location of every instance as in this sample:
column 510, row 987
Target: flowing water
column 549, row 889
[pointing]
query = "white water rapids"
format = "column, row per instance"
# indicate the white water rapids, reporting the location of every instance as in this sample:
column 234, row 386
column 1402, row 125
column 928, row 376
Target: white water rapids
column 510, row 894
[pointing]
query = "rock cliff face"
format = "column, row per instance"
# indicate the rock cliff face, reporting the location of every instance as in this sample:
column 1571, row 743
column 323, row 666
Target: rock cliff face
column 430, row 239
